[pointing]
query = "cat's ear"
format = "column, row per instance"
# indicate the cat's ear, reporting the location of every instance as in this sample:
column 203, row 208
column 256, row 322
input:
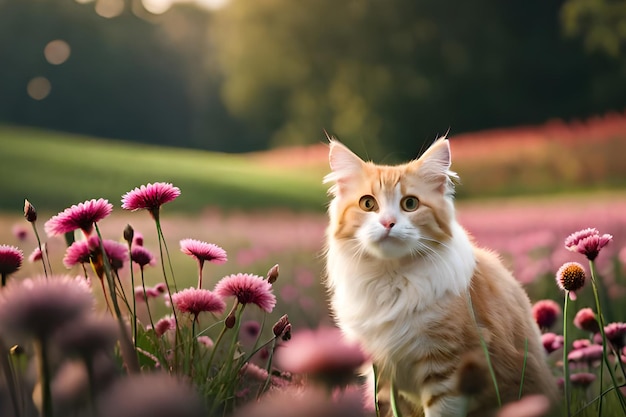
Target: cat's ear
column 434, row 166
column 345, row 166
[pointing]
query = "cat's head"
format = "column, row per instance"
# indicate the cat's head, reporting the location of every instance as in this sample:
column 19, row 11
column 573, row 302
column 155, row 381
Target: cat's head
column 391, row 212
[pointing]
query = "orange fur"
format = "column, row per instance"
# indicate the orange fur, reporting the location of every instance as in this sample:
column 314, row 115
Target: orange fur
column 401, row 281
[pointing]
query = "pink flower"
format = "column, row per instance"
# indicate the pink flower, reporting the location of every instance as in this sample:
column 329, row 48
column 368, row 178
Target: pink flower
column 141, row 256
column 35, row 255
column 203, row 251
column 616, row 334
column 535, row 405
column 586, row 354
column 195, row 301
column 585, row 319
column 150, row 197
column 20, row 232
column 81, row 216
column 82, row 251
column 138, row 239
column 165, row 324
column 206, row 341
column 587, row 242
column 161, row 287
column 11, row 259
column 582, row 379
column 551, row 342
column 545, row 313
column 141, row 295
column 323, row 352
column 248, row 288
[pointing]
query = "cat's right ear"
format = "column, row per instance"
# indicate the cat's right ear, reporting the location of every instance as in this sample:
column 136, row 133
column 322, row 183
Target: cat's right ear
column 345, row 166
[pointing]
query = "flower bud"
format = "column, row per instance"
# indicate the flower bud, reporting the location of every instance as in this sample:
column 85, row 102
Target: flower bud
column 230, row 321
column 29, row 211
column 129, row 233
column 272, row 274
column 280, row 326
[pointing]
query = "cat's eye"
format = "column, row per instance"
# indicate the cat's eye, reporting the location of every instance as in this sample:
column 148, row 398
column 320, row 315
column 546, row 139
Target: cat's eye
column 409, row 203
column 368, row 203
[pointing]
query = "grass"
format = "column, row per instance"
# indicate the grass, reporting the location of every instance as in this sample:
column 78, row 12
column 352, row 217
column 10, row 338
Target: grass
column 55, row 170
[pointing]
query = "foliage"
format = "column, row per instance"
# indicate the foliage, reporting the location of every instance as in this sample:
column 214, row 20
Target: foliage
column 381, row 75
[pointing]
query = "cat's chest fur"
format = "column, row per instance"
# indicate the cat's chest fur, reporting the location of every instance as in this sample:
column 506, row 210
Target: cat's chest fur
column 388, row 305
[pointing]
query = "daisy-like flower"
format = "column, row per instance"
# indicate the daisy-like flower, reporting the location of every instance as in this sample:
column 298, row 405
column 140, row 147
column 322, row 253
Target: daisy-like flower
column 82, row 251
column 36, row 255
column 11, row 259
column 150, row 197
column 164, row 325
column 142, row 256
column 323, row 353
column 587, row 242
column 570, row 277
column 545, row 313
column 196, row 300
column 202, row 252
column 37, row 307
column 248, row 289
column 616, row 334
column 585, row 319
column 80, row 216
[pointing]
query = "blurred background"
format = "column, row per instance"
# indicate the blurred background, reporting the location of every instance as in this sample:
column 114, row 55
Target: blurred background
column 386, row 77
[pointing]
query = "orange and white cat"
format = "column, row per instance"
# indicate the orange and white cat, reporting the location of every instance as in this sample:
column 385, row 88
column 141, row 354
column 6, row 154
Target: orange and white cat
column 408, row 283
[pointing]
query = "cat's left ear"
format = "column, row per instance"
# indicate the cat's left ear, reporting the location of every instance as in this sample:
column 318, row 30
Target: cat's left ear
column 434, row 166
column 345, row 166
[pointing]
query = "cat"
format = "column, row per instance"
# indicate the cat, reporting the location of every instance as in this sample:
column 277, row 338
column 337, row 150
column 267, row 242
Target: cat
column 408, row 283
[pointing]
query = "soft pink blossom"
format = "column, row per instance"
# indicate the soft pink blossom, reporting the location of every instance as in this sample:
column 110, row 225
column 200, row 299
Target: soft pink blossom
column 196, row 300
column 206, row 341
column 11, row 259
column 81, row 216
column 164, row 325
column 35, row 255
column 585, row 319
column 587, row 242
column 586, row 354
column 142, row 256
column 82, row 251
column 616, row 334
column 150, row 197
column 248, row 289
column 20, row 232
column 203, row 251
column 545, row 313
column 323, row 352
column 551, row 342
column 142, row 294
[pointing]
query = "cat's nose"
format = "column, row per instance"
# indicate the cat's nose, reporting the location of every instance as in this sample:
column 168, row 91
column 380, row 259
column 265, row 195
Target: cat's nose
column 388, row 223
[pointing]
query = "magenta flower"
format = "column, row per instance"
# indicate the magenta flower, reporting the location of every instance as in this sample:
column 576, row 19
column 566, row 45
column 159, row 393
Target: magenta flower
column 324, row 353
column 138, row 239
column 83, row 251
column 202, row 251
column 37, row 307
column 150, row 197
column 164, row 325
column 195, row 301
column 248, row 288
column 587, row 354
column 11, row 259
column 20, row 232
column 616, row 334
column 141, row 295
column 142, row 256
column 81, row 216
column 585, row 319
column 587, row 242
column 36, row 255
column 545, row 313
column 551, row 342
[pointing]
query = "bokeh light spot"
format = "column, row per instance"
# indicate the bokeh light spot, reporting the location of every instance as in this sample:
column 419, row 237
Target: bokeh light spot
column 38, row 88
column 157, row 6
column 57, row 52
column 109, row 8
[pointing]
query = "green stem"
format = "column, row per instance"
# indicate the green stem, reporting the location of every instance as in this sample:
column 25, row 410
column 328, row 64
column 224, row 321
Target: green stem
column 566, row 381
column 44, row 256
column 268, row 368
column 604, row 340
column 128, row 352
column 376, row 405
column 521, row 385
column 7, row 370
column 394, row 400
column 44, row 377
column 132, row 285
column 145, row 298
column 215, row 345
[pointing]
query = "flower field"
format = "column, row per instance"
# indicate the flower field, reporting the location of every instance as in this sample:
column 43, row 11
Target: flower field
column 209, row 332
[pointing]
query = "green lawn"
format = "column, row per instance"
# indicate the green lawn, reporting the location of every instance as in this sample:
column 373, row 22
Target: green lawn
column 55, row 170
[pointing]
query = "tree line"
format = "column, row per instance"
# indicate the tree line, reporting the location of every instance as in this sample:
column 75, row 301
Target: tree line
column 386, row 77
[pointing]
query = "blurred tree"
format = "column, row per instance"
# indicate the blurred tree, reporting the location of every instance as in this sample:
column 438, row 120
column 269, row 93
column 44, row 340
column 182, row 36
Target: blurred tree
column 396, row 74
